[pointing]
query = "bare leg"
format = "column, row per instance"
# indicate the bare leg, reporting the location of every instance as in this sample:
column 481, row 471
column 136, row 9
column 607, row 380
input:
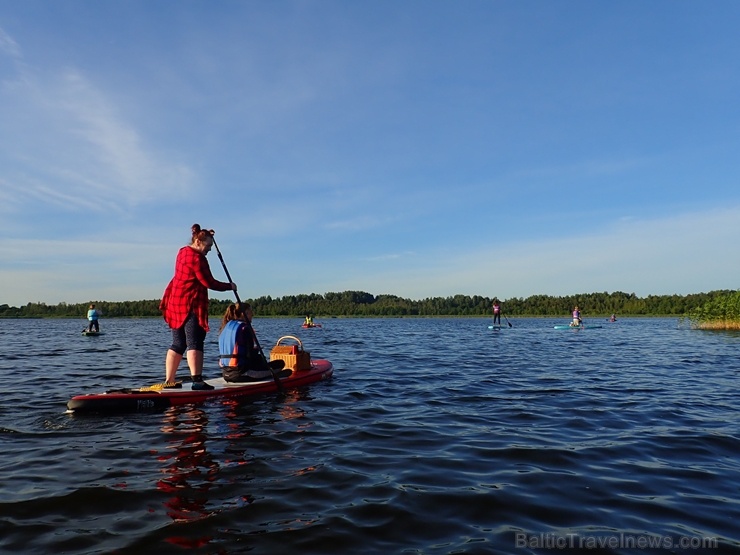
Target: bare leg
column 195, row 362
column 171, row 364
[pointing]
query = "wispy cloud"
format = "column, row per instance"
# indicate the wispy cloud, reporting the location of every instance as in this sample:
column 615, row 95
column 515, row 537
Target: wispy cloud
column 66, row 143
column 8, row 45
column 682, row 254
column 673, row 255
column 75, row 271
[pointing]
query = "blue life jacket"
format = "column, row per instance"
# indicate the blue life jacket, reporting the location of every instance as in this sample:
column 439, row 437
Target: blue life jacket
column 229, row 348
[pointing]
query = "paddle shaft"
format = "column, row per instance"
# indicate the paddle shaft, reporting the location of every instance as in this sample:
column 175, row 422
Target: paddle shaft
column 241, row 307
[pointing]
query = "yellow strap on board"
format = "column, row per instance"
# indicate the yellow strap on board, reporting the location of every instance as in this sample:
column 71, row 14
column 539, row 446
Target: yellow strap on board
column 161, row 386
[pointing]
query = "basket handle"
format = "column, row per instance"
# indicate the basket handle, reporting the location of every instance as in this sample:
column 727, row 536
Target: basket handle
column 293, row 337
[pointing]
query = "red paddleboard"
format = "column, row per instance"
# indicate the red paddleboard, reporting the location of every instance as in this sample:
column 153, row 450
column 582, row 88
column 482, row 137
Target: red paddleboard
column 151, row 398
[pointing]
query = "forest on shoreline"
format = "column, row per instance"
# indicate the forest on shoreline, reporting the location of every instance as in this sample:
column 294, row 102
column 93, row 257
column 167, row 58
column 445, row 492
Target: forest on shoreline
column 362, row 304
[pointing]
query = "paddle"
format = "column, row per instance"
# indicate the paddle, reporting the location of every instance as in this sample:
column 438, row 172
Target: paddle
column 239, row 304
column 507, row 321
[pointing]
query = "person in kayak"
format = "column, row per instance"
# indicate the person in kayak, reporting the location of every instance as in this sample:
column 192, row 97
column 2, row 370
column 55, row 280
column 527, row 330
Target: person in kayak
column 308, row 322
column 239, row 356
column 184, row 306
column 577, row 321
column 92, row 318
column 496, row 312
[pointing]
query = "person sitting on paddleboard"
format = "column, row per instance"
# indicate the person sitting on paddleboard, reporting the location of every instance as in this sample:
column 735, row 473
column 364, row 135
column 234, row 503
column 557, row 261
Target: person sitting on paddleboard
column 496, row 312
column 239, row 357
column 577, row 321
column 184, row 306
column 92, row 316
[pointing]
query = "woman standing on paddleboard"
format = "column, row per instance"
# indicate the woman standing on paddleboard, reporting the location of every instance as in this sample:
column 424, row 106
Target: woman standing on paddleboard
column 92, row 317
column 496, row 312
column 577, row 321
column 185, row 306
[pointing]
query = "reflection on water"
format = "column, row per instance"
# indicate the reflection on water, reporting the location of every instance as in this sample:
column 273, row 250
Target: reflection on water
column 190, row 471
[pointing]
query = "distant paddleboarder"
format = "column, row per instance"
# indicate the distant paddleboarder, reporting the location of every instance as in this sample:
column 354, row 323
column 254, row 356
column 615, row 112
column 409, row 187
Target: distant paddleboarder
column 92, row 318
column 496, row 312
column 577, row 321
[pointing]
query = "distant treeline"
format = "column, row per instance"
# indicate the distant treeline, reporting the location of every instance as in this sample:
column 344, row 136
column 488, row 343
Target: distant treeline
column 361, row 304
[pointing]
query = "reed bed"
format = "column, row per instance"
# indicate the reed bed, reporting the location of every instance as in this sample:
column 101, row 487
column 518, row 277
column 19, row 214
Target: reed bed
column 723, row 326
column 722, row 313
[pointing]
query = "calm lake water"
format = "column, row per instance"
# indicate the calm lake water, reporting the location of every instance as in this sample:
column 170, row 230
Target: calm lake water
column 435, row 436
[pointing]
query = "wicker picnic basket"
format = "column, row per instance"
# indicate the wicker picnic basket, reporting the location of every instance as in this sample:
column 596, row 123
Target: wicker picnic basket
column 294, row 356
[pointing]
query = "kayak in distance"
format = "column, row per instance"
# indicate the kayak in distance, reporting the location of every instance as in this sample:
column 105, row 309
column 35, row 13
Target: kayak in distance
column 157, row 397
column 307, row 326
column 581, row 327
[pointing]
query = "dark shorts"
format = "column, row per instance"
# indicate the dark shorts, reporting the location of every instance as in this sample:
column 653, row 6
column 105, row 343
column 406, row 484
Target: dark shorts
column 190, row 336
column 258, row 370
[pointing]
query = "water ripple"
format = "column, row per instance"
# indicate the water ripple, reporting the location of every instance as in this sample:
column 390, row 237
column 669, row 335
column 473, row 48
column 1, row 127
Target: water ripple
column 435, row 436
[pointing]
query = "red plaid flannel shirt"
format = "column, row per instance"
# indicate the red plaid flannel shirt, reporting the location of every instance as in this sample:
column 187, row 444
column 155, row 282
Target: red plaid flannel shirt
column 188, row 290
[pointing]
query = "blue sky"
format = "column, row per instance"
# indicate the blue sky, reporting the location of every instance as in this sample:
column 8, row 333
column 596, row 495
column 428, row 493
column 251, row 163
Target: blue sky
column 420, row 148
